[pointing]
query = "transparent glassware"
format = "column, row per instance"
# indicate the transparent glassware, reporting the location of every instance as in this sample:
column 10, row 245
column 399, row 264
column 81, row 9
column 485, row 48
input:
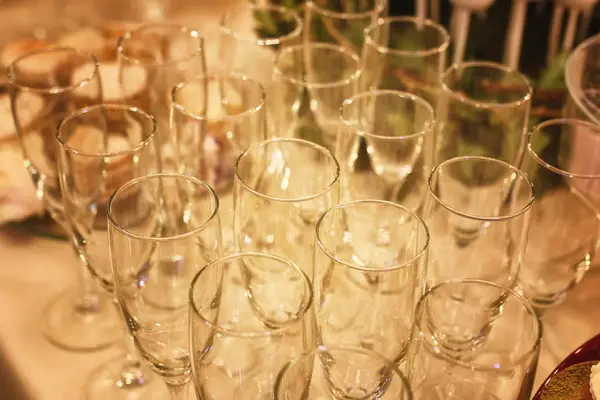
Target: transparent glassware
column 214, row 119
column 341, row 372
column 474, row 339
column 403, row 53
column 251, row 313
column 582, row 69
column 102, row 147
column 478, row 211
column 565, row 224
column 341, row 22
column 483, row 111
column 160, row 55
column 310, row 83
column 369, row 272
column 163, row 229
column 385, row 147
column 44, row 89
column 282, row 186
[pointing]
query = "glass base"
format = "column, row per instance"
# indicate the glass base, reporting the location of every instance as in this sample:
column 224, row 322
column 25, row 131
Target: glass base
column 113, row 381
column 74, row 324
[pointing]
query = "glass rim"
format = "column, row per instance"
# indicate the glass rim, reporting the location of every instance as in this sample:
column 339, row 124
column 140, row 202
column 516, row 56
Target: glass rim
column 539, row 128
column 424, row 104
column 346, row 349
column 475, row 217
column 230, row 76
column 222, row 262
column 55, row 89
column 444, row 35
column 353, row 77
column 272, row 41
column 420, row 253
column 192, row 33
column 492, row 66
column 591, row 41
column 378, row 8
column 514, row 294
column 302, row 142
column 107, row 106
column 136, row 181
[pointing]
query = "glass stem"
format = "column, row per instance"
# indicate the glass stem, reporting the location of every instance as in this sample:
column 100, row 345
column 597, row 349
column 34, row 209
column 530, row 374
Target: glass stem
column 132, row 373
column 88, row 299
column 178, row 391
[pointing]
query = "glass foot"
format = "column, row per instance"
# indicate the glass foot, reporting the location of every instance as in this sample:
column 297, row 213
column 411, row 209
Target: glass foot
column 75, row 324
column 113, row 381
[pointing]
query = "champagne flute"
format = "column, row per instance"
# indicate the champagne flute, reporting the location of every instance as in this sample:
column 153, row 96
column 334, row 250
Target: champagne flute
column 43, row 91
column 158, row 222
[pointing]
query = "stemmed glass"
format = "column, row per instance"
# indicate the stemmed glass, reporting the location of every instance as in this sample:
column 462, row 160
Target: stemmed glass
column 43, row 91
column 214, row 119
column 368, row 274
column 405, row 53
column 282, row 186
column 163, row 229
column 474, row 340
column 477, row 207
column 341, row 372
column 483, row 111
column 101, row 148
column 385, row 147
column 581, row 78
column 168, row 54
column 310, row 83
column 241, row 335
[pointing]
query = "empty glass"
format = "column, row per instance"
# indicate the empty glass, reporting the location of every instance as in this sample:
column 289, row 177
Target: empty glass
column 250, row 314
column 369, row 265
column 477, row 212
column 385, row 147
column 163, row 229
column 483, row 111
column 339, row 372
column 581, row 77
column 561, row 161
column 474, row 340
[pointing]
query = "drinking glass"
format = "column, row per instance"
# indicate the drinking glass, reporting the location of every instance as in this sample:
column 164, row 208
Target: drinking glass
column 310, row 83
column 43, row 91
column 483, row 111
column 163, row 229
column 582, row 70
column 340, row 372
column 477, row 212
column 405, row 53
column 162, row 54
column 565, row 217
column 214, row 119
column 474, row 340
column 241, row 335
column 369, row 265
column 341, row 22
column 102, row 147
column 281, row 189
column 385, row 147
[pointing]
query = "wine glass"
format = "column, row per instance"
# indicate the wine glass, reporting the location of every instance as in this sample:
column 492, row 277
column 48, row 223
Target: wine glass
column 561, row 161
column 341, row 372
column 160, row 54
column 405, row 53
column 241, row 335
column 483, row 111
column 214, row 119
column 477, row 211
column 310, row 83
column 581, row 79
column 369, row 265
column 102, row 147
column 43, row 90
column 385, row 147
column 474, row 340
column 282, row 186
column 163, row 229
